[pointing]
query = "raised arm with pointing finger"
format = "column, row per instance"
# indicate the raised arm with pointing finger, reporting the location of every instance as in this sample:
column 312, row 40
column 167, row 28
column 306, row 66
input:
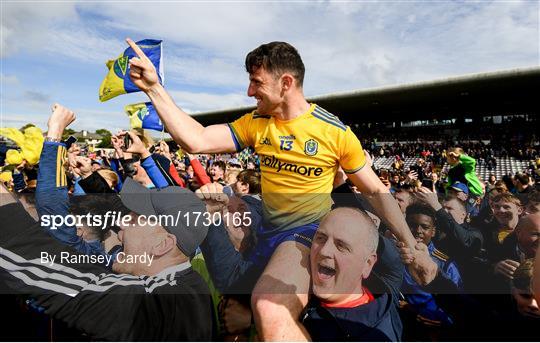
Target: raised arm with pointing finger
column 185, row 130
column 300, row 146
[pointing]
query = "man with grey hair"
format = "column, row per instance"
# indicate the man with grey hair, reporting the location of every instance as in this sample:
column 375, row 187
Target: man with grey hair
column 353, row 301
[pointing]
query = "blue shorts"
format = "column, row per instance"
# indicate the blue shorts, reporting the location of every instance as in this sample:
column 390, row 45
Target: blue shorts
column 268, row 243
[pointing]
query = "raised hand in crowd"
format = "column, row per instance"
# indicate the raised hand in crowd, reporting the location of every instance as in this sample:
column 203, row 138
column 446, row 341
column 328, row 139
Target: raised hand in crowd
column 137, row 146
column 142, row 72
column 117, row 144
column 506, row 268
column 411, row 176
column 428, row 197
column 73, row 151
column 212, row 194
column 60, row 119
column 164, row 150
column 83, row 166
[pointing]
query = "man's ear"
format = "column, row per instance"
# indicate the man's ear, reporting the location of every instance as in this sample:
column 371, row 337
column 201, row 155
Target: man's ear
column 287, row 82
column 370, row 262
column 165, row 244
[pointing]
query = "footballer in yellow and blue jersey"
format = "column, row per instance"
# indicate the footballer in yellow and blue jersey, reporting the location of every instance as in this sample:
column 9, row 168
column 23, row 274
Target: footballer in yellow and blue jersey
column 299, row 159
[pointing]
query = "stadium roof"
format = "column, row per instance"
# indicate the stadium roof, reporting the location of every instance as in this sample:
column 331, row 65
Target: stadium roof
column 504, row 92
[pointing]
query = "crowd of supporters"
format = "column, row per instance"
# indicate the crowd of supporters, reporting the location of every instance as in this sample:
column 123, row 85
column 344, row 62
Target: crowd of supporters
column 483, row 236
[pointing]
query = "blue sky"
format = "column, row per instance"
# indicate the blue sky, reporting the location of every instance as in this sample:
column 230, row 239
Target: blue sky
column 56, row 51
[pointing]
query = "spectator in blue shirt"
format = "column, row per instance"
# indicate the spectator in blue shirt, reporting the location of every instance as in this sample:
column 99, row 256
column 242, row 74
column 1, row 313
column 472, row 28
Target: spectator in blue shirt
column 421, row 303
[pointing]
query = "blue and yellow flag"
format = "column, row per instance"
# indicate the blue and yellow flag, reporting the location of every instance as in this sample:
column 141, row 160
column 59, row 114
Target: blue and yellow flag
column 117, row 81
column 143, row 115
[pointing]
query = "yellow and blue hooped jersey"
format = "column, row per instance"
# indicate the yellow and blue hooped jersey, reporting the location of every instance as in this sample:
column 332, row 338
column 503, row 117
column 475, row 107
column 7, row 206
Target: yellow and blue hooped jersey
column 298, row 159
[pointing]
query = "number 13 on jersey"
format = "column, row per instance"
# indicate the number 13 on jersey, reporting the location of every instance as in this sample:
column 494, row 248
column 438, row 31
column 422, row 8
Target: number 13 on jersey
column 285, row 145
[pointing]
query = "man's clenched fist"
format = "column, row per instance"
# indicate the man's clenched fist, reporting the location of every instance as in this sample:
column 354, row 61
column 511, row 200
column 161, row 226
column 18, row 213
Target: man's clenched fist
column 60, row 119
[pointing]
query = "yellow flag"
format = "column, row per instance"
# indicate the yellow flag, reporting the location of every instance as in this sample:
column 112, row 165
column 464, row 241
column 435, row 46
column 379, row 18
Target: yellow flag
column 117, row 81
column 13, row 157
column 6, row 176
column 30, row 142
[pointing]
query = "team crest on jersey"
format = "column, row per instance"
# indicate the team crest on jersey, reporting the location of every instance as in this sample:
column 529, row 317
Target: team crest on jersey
column 311, row 147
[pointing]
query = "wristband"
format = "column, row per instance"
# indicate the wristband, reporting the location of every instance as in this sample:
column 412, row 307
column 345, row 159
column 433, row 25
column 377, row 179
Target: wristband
column 52, row 139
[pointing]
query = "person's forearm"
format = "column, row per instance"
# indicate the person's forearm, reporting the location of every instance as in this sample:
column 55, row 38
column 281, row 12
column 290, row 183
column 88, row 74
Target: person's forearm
column 465, row 239
column 389, row 211
column 115, row 166
column 228, row 269
column 185, row 131
column 153, row 172
column 55, row 131
column 382, row 201
column 18, row 181
column 199, row 172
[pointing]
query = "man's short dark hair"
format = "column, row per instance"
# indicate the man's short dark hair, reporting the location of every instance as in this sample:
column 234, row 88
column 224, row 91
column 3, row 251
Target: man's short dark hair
column 252, row 178
column 220, row 164
column 523, row 178
column 277, row 58
column 419, row 208
column 405, row 188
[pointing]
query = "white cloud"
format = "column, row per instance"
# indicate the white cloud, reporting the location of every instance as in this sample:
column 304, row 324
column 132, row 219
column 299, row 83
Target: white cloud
column 54, row 29
column 25, row 25
column 92, row 119
column 193, row 102
column 205, row 43
column 83, row 44
column 9, row 80
column 345, row 45
column 201, row 71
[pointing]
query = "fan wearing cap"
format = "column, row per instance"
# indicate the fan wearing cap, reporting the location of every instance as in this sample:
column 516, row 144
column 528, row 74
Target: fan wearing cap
column 169, row 244
column 459, row 190
column 162, row 300
column 462, row 192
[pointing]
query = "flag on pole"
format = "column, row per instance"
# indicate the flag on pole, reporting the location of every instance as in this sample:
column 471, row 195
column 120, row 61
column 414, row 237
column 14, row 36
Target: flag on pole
column 117, row 81
column 143, row 115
